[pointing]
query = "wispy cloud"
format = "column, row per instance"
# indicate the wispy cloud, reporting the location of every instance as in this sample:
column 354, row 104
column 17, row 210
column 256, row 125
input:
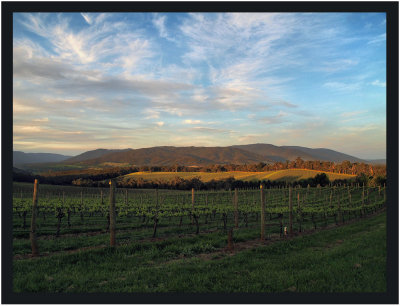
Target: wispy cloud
column 352, row 114
column 341, row 86
column 378, row 39
column 378, row 83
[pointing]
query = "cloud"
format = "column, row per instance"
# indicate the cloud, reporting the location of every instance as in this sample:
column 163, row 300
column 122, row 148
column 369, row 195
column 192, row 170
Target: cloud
column 338, row 65
column 378, row 83
column 101, row 41
column 87, row 18
column 189, row 121
column 159, row 23
column 209, row 130
column 151, row 114
column 341, row 86
column 41, row 120
column 352, row 114
column 103, row 78
column 254, row 138
column 273, row 119
column 378, row 39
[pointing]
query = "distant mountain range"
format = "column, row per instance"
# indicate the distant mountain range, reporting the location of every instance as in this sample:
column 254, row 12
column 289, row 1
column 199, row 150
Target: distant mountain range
column 190, row 156
column 21, row 158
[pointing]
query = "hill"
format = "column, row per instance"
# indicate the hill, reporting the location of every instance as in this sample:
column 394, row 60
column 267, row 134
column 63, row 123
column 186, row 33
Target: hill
column 377, row 161
column 92, row 155
column 168, row 155
column 283, row 153
column 20, row 158
column 188, row 156
column 202, row 156
column 288, row 175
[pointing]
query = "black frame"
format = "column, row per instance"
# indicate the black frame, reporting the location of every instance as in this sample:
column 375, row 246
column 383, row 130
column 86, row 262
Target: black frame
column 392, row 127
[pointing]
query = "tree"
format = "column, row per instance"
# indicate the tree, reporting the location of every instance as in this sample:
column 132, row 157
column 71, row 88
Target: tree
column 321, row 179
column 362, row 179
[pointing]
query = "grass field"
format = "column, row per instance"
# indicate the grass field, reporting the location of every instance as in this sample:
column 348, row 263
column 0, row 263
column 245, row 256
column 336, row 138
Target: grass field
column 349, row 258
column 288, row 175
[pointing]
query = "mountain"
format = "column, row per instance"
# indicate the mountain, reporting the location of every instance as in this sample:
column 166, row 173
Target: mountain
column 327, row 155
column 283, row 153
column 377, row 161
column 92, row 155
column 20, row 158
column 275, row 153
column 189, row 156
column 202, row 156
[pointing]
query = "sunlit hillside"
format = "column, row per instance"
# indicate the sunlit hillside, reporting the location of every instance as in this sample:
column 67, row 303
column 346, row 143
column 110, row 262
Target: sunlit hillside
column 285, row 175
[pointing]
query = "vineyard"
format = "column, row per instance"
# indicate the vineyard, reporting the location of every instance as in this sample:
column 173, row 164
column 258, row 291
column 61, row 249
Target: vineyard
column 69, row 218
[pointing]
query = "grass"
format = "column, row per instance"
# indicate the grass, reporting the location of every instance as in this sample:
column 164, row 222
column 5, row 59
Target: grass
column 288, row 175
column 350, row 258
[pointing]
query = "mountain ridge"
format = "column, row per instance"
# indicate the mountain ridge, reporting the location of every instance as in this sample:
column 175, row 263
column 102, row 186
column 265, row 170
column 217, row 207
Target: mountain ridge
column 203, row 156
column 20, row 158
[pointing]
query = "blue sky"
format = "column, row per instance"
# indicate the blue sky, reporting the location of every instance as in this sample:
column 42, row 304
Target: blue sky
column 133, row 80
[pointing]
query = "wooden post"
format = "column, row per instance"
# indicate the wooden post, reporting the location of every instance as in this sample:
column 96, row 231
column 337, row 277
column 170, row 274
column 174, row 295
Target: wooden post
column 262, row 212
column 32, row 234
column 192, row 205
column 363, row 195
column 298, row 200
column 155, row 216
column 112, row 213
column 81, row 207
column 126, row 196
column 290, row 212
column 349, row 193
column 230, row 239
column 339, row 212
column 236, row 209
column 384, row 193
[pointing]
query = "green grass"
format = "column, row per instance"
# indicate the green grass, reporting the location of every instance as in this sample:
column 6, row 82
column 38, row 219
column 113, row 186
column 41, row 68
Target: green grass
column 350, row 258
column 284, row 175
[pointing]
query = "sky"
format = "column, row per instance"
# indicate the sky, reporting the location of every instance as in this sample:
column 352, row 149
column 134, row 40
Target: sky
column 83, row 81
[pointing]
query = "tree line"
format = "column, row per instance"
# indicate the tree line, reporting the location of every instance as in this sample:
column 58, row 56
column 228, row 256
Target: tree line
column 366, row 173
column 180, row 183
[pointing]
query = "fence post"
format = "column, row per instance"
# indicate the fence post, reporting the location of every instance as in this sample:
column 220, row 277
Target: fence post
column 349, row 193
column 32, row 234
column 112, row 213
column 384, row 193
column 236, row 208
column 230, row 239
column 126, row 196
column 192, row 205
column 262, row 212
column 156, row 216
column 339, row 211
column 363, row 195
column 290, row 211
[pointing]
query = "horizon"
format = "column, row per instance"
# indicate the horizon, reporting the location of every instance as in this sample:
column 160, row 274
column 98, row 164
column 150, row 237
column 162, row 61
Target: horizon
column 83, row 81
column 377, row 158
